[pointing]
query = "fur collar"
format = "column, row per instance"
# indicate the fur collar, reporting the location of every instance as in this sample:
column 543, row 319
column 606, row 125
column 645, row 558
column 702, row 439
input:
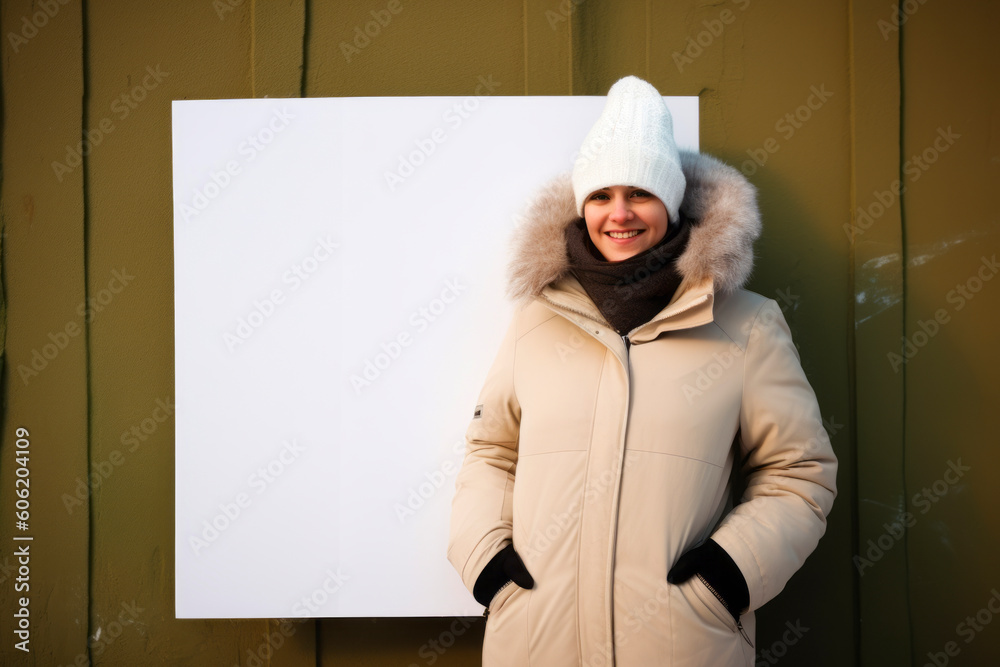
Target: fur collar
column 720, row 202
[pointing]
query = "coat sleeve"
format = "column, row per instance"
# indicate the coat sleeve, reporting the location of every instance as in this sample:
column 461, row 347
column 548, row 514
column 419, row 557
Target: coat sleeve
column 481, row 511
column 788, row 463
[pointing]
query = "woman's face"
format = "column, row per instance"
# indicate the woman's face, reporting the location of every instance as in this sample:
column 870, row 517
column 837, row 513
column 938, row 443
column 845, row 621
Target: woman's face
column 623, row 221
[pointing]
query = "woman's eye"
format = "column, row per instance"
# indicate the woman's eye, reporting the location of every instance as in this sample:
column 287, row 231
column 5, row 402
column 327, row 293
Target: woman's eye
column 641, row 193
column 598, row 195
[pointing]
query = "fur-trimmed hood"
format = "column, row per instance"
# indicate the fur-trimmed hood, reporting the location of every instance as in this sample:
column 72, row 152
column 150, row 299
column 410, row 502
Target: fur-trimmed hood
column 720, row 203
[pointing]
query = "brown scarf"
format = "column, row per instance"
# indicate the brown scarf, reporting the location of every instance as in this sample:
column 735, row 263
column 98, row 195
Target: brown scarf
column 630, row 292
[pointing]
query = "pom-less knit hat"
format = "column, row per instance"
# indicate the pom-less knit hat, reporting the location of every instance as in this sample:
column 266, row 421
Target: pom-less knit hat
column 632, row 143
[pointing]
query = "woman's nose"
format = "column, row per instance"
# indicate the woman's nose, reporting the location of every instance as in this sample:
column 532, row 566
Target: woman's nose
column 620, row 211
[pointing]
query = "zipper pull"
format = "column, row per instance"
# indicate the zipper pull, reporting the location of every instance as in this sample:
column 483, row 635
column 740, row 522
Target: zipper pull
column 739, row 624
column 627, row 342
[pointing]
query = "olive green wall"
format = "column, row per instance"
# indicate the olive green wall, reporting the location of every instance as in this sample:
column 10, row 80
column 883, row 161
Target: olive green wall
column 911, row 547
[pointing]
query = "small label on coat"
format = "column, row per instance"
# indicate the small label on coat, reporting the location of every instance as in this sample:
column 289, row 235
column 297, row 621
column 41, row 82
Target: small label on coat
column 478, row 413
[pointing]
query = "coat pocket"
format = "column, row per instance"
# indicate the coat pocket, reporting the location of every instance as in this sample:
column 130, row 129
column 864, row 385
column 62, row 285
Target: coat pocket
column 506, row 638
column 703, row 631
column 714, row 604
column 500, row 598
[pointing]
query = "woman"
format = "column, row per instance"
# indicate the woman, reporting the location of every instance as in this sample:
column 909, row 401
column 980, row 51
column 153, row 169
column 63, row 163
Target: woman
column 636, row 387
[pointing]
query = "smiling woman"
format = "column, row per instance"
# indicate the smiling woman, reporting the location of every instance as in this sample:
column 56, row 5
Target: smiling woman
column 624, row 220
column 595, row 487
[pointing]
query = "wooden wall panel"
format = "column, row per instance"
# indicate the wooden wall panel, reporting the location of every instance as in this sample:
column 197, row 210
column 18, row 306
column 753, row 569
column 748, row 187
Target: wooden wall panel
column 951, row 155
column 876, row 233
column 45, row 329
column 855, row 276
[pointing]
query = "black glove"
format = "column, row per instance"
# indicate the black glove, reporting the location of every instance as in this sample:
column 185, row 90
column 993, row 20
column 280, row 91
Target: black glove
column 505, row 566
column 719, row 570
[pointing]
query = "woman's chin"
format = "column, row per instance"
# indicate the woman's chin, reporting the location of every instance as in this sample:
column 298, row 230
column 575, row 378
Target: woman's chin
column 614, row 254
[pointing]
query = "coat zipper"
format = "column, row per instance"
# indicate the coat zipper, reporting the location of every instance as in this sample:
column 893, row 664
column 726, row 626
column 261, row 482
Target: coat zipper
column 628, row 375
column 486, row 611
column 596, row 336
column 621, row 466
column 621, row 458
column 739, row 623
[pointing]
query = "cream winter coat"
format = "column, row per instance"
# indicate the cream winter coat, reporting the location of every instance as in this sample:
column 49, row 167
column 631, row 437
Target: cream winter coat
column 603, row 463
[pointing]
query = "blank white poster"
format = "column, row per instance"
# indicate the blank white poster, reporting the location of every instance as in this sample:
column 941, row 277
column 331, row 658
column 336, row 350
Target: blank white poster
column 339, row 272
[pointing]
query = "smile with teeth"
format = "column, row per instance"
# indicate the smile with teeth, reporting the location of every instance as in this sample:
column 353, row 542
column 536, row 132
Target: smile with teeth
column 624, row 235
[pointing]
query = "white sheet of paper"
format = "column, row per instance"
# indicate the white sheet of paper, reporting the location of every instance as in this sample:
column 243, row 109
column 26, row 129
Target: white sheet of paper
column 333, row 327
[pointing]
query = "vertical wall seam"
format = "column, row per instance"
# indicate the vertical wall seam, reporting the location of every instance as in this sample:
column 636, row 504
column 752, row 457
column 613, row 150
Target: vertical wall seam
column 253, row 49
column 904, row 261
column 852, row 365
column 649, row 36
column 319, row 642
column 4, row 386
column 574, row 18
column 524, row 37
column 306, row 19
column 303, row 74
column 85, row 177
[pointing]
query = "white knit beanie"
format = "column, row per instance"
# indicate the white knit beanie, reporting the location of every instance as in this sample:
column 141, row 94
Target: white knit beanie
column 632, row 143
